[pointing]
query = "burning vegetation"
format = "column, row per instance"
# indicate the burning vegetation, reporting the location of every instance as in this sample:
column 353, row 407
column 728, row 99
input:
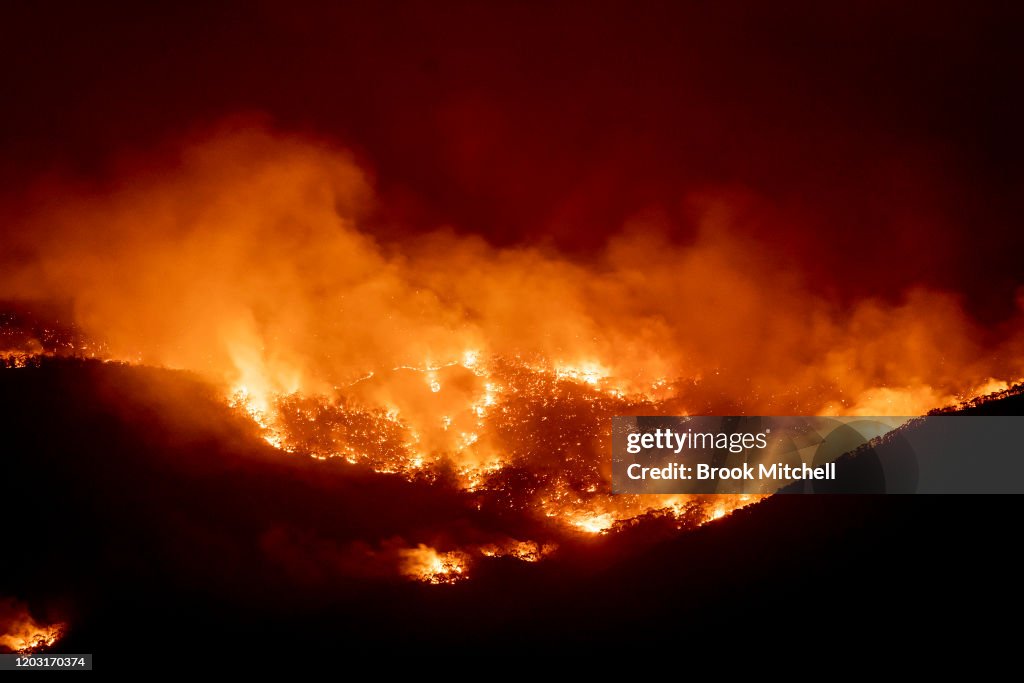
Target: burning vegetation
column 434, row 409
column 443, row 360
column 526, row 439
column 312, row 330
column 21, row 633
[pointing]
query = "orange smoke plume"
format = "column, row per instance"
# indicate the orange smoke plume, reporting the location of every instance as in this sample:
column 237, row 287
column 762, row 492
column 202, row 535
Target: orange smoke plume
column 248, row 261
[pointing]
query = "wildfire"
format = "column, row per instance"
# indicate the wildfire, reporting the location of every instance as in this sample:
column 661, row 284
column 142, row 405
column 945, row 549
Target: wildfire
column 442, row 358
column 256, row 408
column 526, row 551
column 22, row 634
column 426, row 564
column 717, row 513
column 16, row 359
column 510, row 416
column 593, row 524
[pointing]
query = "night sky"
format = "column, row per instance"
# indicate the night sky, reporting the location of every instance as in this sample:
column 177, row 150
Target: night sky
column 877, row 146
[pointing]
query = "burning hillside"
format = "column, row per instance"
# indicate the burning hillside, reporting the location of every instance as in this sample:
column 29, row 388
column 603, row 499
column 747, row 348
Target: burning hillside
column 442, row 357
column 314, row 319
column 172, row 507
column 21, row 633
column 487, row 375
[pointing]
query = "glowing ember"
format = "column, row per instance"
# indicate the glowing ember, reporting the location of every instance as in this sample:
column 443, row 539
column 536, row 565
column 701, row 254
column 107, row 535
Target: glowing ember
column 526, row 551
column 474, row 478
column 592, row 373
column 15, row 359
column 426, row 564
column 517, row 418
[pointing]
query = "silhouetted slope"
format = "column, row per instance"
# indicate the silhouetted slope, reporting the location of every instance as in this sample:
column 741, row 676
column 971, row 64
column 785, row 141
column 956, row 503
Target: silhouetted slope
column 147, row 514
column 1008, row 402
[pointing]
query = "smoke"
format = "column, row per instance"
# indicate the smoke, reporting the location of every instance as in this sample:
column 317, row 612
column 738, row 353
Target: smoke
column 250, row 258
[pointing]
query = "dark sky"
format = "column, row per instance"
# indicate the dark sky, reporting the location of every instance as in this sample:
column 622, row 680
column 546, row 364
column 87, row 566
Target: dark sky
column 878, row 146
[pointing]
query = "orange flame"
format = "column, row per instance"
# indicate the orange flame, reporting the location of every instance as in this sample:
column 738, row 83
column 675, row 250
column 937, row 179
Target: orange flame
column 426, row 564
column 252, row 263
column 526, row 551
column 22, row 634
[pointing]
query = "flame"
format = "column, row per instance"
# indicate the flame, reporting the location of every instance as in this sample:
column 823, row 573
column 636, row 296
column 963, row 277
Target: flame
column 511, row 407
column 22, row 634
column 256, row 408
column 16, row 359
column 253, row 264
column 592, row 523
column 525, row 551
column 426, row 564
column 717, row 513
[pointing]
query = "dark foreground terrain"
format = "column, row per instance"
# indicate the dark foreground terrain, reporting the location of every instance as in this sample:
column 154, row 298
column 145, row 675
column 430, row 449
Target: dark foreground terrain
column 149, row 517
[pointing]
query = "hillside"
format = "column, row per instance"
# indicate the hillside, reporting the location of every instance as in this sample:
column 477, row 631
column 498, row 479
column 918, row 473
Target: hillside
column 145, row 512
